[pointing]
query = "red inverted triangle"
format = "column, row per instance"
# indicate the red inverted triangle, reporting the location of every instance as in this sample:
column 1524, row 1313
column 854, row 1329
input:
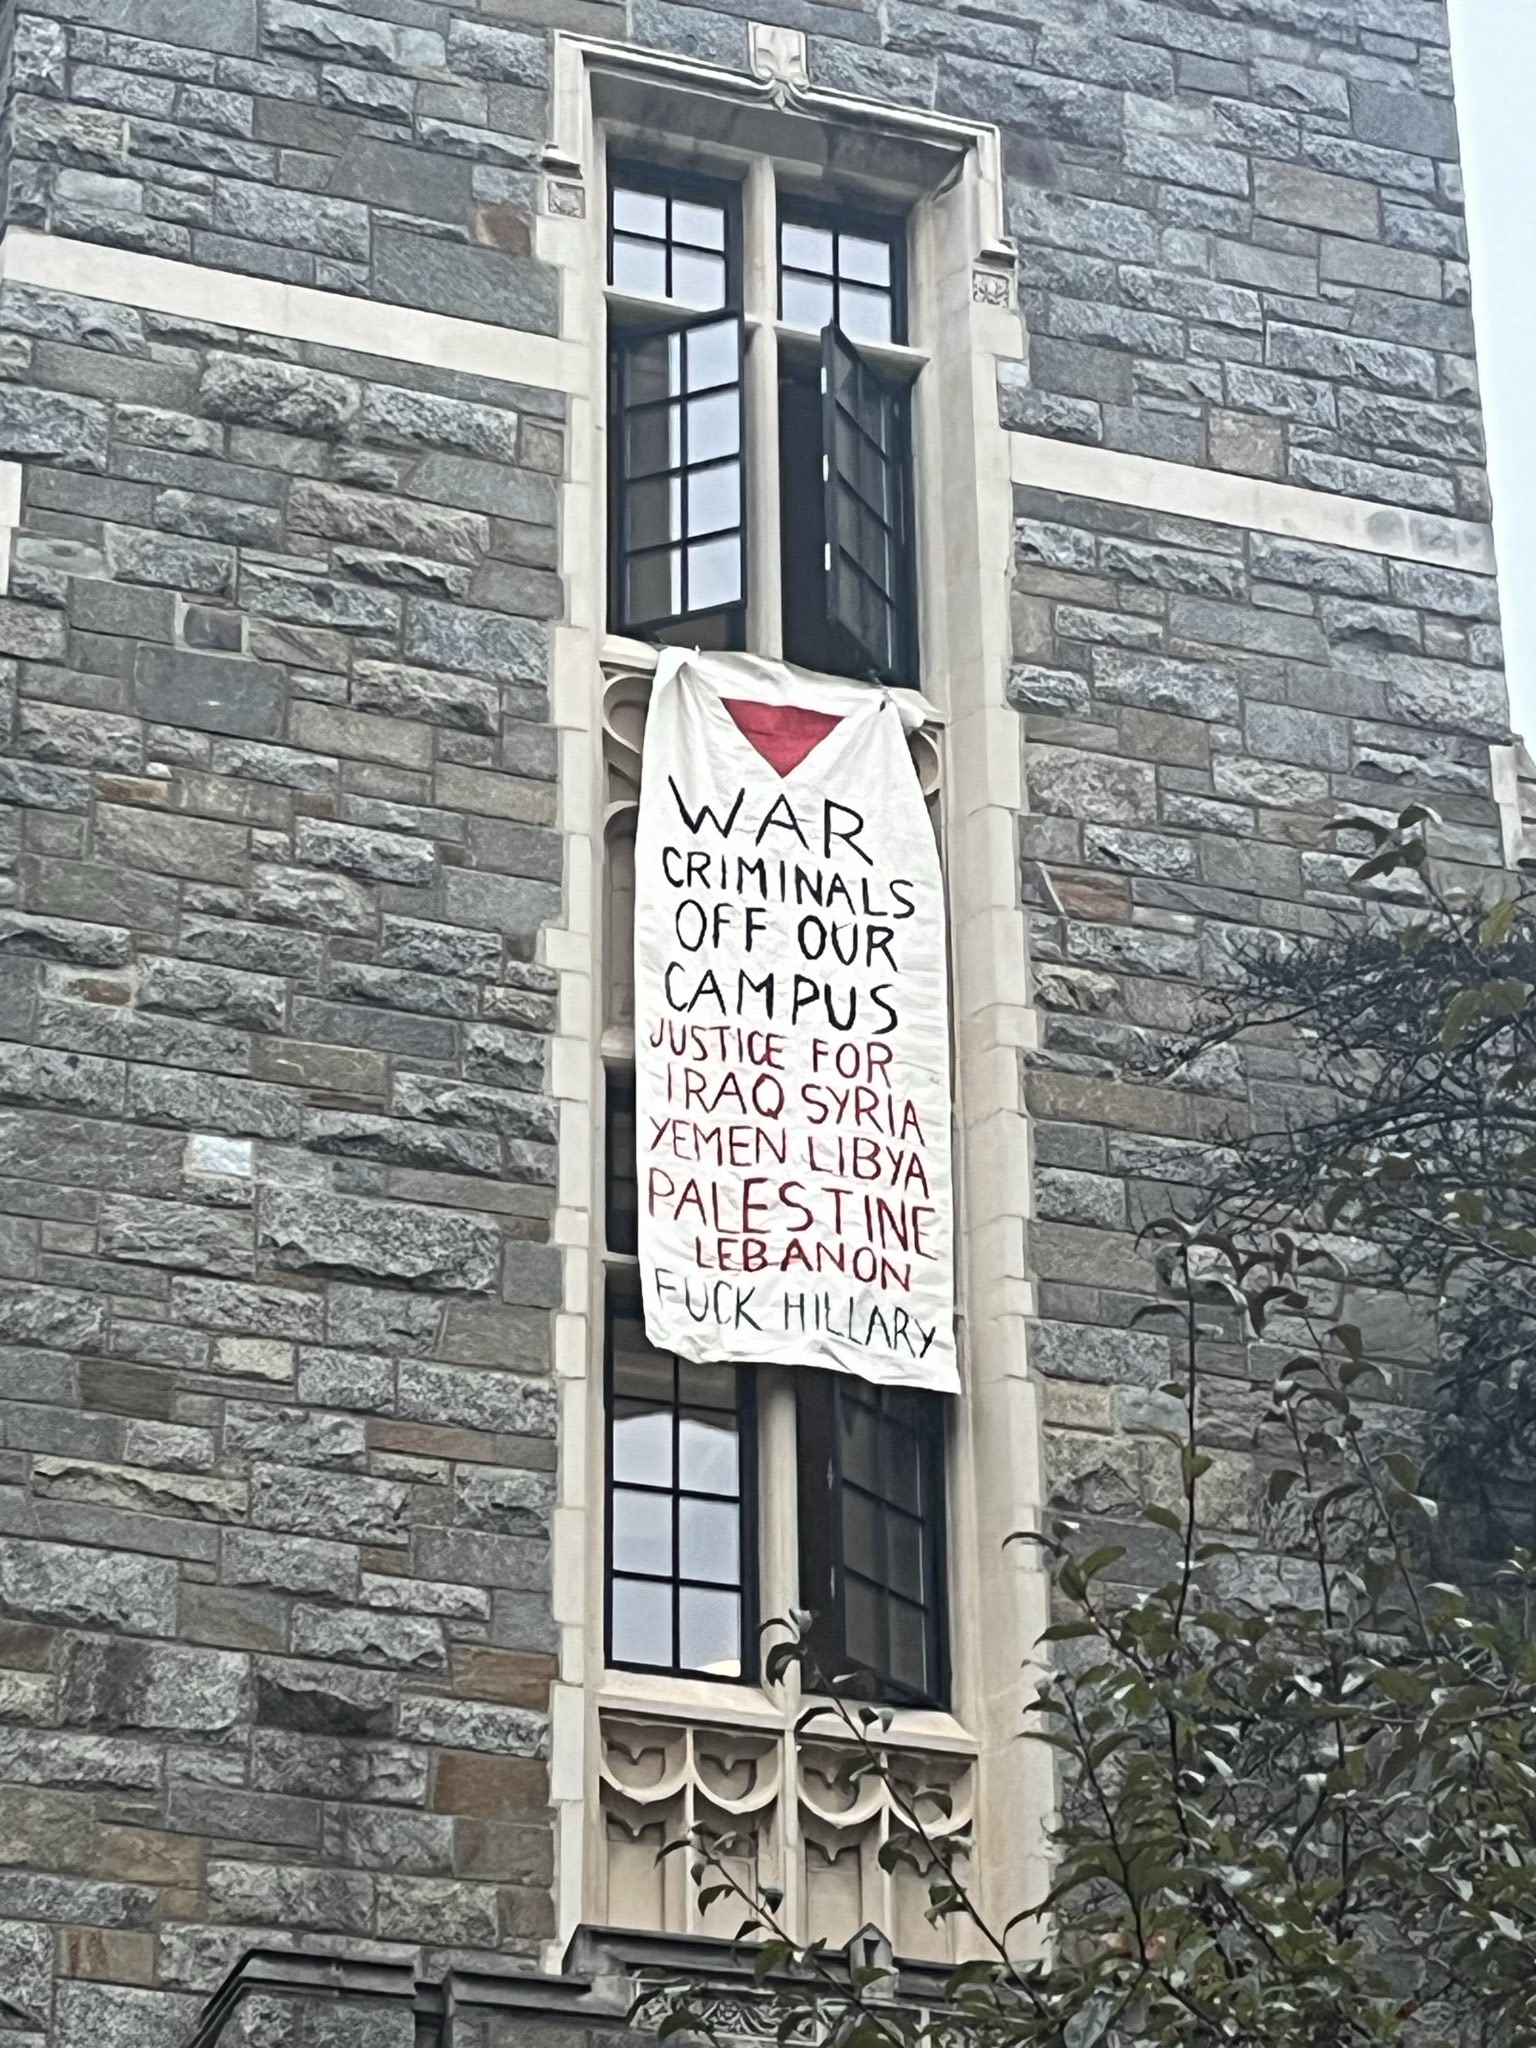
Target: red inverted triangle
column 782, row 733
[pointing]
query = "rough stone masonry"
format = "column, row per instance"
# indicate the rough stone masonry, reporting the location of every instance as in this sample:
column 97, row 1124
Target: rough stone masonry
column 277, row 1157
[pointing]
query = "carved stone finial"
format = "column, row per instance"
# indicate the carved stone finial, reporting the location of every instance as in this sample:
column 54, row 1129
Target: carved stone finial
column 777, row 56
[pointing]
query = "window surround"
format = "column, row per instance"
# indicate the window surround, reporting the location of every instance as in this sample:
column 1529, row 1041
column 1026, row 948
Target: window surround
column 947, row 174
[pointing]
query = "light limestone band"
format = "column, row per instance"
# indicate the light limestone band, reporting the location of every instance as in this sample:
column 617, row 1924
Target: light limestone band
column 295, row 312
column 441, row 341
column 1215, row 495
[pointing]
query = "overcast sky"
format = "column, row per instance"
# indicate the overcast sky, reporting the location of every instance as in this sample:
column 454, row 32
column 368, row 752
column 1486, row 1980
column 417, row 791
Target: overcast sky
column 1494, row 47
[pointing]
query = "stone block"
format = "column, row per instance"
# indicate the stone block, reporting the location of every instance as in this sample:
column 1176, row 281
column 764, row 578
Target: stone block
column 116, row 1686
column 255, row 391
column 346, row 1507
column 330, row 903
column 499, row 1402
column 462, row 703
column 53, row 427
column 321, row 1699
column 69, row 1583
column 474, row 1725
column 1316, row 199
column 178, row 1234
column 373, row 856
column 358, row 1635
column 465, row 281
column 414, row 1247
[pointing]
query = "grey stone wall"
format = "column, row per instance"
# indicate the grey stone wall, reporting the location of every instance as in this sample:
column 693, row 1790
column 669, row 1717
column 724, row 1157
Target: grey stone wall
column 1199, row 706
column 1242, row 230
column 277, row 810
column 276, row 1161
column 387, row 151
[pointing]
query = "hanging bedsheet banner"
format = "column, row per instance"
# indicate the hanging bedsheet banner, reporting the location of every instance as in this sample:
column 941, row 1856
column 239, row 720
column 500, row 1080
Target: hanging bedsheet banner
column 792, row 1054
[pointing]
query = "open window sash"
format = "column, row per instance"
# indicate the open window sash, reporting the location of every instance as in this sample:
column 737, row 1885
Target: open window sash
column 868, row 511
column 678, row 433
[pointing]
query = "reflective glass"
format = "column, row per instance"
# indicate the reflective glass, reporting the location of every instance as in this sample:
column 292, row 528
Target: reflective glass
column 708, row 1386
column 714, row 498
column 642, row 1622
column 805, row 248
column 709, row 1632
column 702, row 226
column 697, row 279
column 904, row 1554
column 640, row 268
column 642, row 1444
column 805, row 302
column 652, row 369
column 655, row 585
column 639, row 213
column 709, row 1541
column 641, row 1373
column 861, row 1623
column 864, row 315
column 655, row 508
column 714, row 574
column 712, row 355
column 654, row 439
column 909, row 1648
column 708, row 1450
column 863, row 258
column 861, row 1533
column 642, row 1533
column 714, row 426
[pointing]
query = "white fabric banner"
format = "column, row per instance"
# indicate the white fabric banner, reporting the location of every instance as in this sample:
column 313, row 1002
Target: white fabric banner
column 792, row 1054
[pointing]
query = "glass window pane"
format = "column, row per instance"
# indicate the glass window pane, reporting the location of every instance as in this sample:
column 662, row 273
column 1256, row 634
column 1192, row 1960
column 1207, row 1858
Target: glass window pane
column 709, row 1541
column 652, row 369
column 640, row 1372
column 697, row 279
column 642, row 1444
column 805, row 302
column 642, row 1533
column 642, row 1622
column 804, row 248
column 712, row 355
column 714, row 426
column 859, row 1456
column 714, row 574
column 640, row 268
column 654, row 439
column 861, row 1533
column 639, row 213
column 903, row 1467
column 702, row 226
column 862, row 257
column 654, row 586
column 861, row 1624
column 655, row 508
column 708, row 1452
column 714, row 498
column 909, row 1646
column 708, row 1386
column 864, row 315
column 709, row 1630
column 904, row 1555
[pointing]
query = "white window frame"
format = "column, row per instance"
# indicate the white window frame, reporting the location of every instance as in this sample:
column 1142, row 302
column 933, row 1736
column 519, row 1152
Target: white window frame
column 961, row 322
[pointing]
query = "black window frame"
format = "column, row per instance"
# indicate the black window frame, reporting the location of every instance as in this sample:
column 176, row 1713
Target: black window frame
column 624, row 1300
column 725, row 624
column 845, row 498
column 631, row 175
column 820, row 1397
column 624, row 342
column 838, row 219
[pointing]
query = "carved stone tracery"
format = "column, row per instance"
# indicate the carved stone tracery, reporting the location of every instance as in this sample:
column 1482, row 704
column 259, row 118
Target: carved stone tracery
column 844, row 1845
